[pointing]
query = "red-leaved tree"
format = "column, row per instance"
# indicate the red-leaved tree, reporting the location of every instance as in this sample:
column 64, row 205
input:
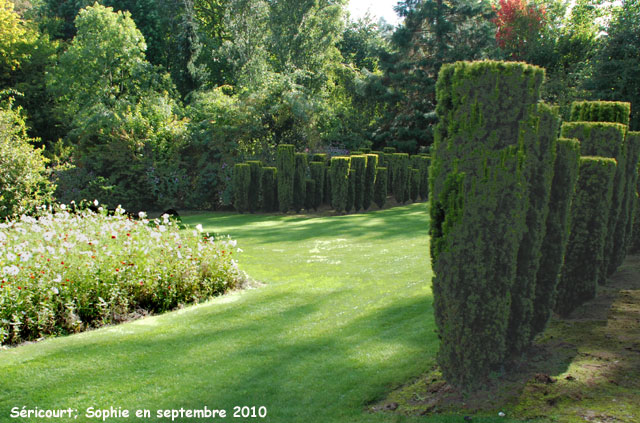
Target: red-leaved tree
column 520, row 26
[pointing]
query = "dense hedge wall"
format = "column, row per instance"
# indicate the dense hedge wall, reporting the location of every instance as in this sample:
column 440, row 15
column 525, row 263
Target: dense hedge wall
column 601, row 111
column 539, row 138
column 587, row 236
column 339, row 172
column 604, row 139
column 414, row 184
column 632, row 192
column 478, row 206
column 351, row 191
column 255, row 184
column 380, row 187
column 369, row 180
column 388, row 150
column 310, row 194
column 299, row 185
column 625, row 222
column 317, row 171
column 327, row 184
column 269, row 189
column 319, row 157
column 359, row 166
column 241, row 182
column 565, row 175
column 634, row 235
column 400, row 164
column 286, row 167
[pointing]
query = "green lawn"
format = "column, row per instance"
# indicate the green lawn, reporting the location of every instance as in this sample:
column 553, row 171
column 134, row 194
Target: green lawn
column 344, row 317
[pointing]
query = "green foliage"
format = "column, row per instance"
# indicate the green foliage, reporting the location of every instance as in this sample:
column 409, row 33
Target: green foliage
column 422, row 163
column 23, row 181
column 634, row 235
column 299, row 177
column 286, row 173
column 269, row 189
column 565, row 175
column 600, row 111
column 587, row 237
column 359, row 166
column 478, row 209
column 310, row 194
column 339, row 172
column 540, row 137
column 242, row 187
column 414, row 185
column 605, row 140
column 400, row 172
column 327, row 184
column 631, row 202
column 370, row 180
column 351, row 191
column 319, row 157
column 388, row 150
column 318, row 171
column 380, row 188
column 255, row 185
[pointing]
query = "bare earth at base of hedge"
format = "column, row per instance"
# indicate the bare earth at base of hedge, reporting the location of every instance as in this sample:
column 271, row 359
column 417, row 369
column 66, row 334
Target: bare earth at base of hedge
column 582, row 369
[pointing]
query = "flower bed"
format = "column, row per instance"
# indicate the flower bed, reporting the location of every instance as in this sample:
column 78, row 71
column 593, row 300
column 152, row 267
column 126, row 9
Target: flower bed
column 66, row 272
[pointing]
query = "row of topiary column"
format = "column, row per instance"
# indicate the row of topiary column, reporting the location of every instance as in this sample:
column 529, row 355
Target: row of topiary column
column 346, row 183
column 522, row 222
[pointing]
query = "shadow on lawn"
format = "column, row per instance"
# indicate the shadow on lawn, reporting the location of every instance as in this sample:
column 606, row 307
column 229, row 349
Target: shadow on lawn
column 271, row 228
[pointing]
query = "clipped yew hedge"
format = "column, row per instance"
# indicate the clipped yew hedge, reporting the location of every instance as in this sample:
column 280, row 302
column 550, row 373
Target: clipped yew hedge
column 478, row 208
column 380, row 187
column 255, row 184
column 554, row 244
column 351, row 191
column 633, row 142
column 299, row 184
column 601, row 111
column 269, row 189
column 359, row 167
column 587, row 236
column 317, row 170
column 310, row 194
column 339, row 172
column 241, row 183
column 369, row 180
column 400, row 164
column 286, row 168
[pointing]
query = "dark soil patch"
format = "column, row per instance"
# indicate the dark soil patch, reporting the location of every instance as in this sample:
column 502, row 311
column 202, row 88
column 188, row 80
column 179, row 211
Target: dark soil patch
column 585, row 368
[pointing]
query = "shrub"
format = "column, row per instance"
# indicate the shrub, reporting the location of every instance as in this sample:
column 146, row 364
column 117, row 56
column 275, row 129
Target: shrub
column 366, row 150
column 389, row 164
column 359, row 166
column 415, row 185
column 634, row 234
column 400, row 165
column 310, row 194
column 351, row 191
column 23, row 184
column 255, row 185
column 63, row 273
column 604, row 139
column 422, row 162
column 269, row 189
column 388, row 150
column 380, row 188
column 286, row 169
column 631, row 191
column 319, row 157
column 540, row 139
column 556, row 236
column 241, row 184
column 369, row 180
column 339, row 171
column 327, row 184
column 299, row 187
column 477, row 206
column 356, row 153
column 587, row 236
column 317, row 170
column 601, row 111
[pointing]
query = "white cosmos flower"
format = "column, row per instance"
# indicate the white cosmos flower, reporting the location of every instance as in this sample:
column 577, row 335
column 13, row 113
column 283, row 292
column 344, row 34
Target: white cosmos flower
column 26, row 256
column 142, row 215
column 233, row 242
column 3, row 237
column 63, row 207
column 54, row 290
column 199, row 227
column 51, row 250
column 96, row 202
column 48, row 236
column 11, row 270
column 11, row 257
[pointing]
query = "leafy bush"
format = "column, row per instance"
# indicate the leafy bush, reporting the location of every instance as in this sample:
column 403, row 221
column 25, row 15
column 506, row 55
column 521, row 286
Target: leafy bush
column 23, row 183
column 400, row 165
column 269, row 189
column 478, row 209
column 241, row 186
column 369, row 180
column 588, row 233
column 339, row 172
column 604, row 139
column 359, row 166
column 310, row 194
column 64, row 273
column 255, row 184
column 317, row 171
column 540, row 138
column 601, row 111
column 299, row 185
column 286, row 170
column 563, row 186
column 380, row 188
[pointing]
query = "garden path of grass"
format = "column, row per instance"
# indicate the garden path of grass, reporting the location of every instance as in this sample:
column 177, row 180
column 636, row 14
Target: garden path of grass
column 344, row 316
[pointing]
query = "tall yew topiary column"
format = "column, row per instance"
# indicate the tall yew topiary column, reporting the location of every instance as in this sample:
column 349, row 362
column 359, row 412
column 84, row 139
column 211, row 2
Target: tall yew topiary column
column 359, row 166
column 317, row 171
column 255, row 184
column 286, row 166
column 380, row 187
column 478, row 209
column 401, row 175
column 556, row 236
column 369, row 180
column 241, row 183
column 269, row 189
column 587, row 236
column 633, row 141
column 339, row 172
column 299, row 181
